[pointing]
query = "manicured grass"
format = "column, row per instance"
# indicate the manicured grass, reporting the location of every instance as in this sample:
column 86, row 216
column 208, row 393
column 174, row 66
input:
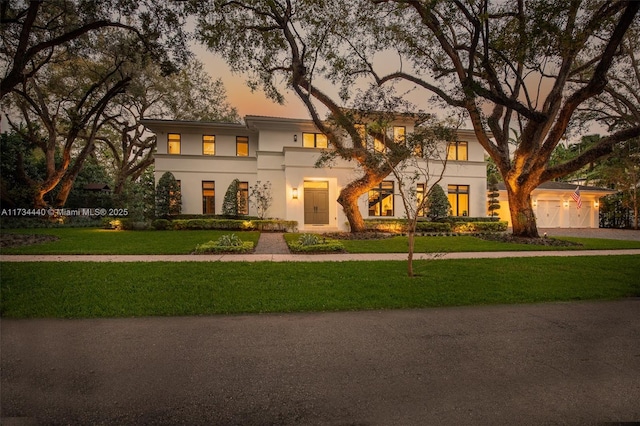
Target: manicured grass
column 453, row 244
column 104, row 241
column 101, row 241
column 87, row 290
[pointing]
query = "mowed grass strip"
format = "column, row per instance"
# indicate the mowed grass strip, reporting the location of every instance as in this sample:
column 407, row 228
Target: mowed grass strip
column 453, row 244
column 106, row 241
column 89, row 290
column 102, row 241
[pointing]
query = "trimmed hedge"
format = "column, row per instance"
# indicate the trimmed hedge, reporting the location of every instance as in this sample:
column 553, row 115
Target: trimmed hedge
column 212, row 247
column 326, row 246
column 448, row 225
column 236, row 224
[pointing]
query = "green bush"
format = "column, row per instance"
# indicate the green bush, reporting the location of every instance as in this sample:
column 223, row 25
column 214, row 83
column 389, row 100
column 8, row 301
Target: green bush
column 161, row 224
column 236, row 224
column 424, row 226
column 323, row 246
column 229, row 241
column 214, row 248
column 308, row 240
column 480, row 226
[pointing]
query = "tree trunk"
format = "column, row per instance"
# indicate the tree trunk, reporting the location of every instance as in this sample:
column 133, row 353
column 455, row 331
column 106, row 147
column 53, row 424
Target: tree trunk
column 348, row 199
column 523, row 220
column 411, row 235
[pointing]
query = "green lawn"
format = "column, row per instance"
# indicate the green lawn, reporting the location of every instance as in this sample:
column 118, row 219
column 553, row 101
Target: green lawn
column 104, row 241
column 101, row 241
column 87, row 290
column 400, row 244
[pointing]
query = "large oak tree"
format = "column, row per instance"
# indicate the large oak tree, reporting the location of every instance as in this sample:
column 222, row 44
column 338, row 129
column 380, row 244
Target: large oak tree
column 291, row 44
column 523, row 65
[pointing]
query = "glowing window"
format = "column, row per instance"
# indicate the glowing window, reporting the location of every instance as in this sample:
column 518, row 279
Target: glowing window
column 458, row 151
column 208, row 145
column 208, row 197
column 381, row 199
column 242, row 146
column 243, row 198
column 173, row 143
column 399, row 134
column 458, row 199
column 314, row 140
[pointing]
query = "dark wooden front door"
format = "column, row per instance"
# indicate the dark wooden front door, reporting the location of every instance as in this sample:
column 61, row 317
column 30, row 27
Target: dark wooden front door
column 316, row 203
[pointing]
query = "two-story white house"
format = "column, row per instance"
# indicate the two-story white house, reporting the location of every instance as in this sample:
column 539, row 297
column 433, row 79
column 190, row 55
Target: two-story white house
column 207, row 156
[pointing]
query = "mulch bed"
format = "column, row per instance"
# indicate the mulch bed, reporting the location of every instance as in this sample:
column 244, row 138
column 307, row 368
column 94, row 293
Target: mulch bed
column 16, row 240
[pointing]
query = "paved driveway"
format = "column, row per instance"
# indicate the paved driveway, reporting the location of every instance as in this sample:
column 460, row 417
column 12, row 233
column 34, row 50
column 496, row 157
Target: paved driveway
column 558, row 363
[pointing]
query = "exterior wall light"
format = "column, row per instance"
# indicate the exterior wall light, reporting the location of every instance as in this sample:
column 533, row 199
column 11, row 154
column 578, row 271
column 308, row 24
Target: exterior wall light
column 535, row 203
column 566, row 204
column 596, row 204
column 295, row 138
column 294, row 193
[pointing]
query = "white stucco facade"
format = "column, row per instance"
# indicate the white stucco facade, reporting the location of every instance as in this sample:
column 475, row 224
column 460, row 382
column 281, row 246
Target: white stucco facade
column 276, row 154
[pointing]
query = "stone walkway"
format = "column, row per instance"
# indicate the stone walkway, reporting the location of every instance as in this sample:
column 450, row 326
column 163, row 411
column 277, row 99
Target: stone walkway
column 271, row 243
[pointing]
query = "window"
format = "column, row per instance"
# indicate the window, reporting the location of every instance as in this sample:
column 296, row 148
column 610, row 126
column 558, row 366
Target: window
column 399, row 134
column 457, row 151
column 243, row 198
column 242, row 146
column 208, row 197
column 314, row 140
column 381, row 199
column 419, row 197
column 459, row 199
column 208, row 145
column 378, row 143
column 173, row 143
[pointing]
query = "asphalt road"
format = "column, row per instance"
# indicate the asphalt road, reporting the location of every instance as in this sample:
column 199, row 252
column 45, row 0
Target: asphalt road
column 559, row 363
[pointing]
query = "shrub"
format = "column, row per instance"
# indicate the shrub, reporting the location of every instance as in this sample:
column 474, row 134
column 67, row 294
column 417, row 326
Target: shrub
column 161, row 224
column 424, row 226
column 437, row 203
column 214, row 247
column 322, row 245
column 308, row 240
column 168, row 197
column 229, row 241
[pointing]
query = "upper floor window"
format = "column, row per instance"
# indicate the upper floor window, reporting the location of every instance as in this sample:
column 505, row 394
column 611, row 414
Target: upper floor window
column 399, row 134
column 242, row 146
column 173, row 143
column 458, row 151
column 314, row 140
column 208, row 145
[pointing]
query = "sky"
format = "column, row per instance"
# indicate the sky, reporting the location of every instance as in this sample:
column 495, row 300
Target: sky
column 239, row 94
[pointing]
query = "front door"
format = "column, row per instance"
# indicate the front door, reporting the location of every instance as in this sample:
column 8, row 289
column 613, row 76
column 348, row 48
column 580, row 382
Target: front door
column 316, row 203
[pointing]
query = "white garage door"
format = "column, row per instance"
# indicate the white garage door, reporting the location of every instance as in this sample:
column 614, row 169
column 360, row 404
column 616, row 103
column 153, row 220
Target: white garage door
column 548, row 213
column 580, row 218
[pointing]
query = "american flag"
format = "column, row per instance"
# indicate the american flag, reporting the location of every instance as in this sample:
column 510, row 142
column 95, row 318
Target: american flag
column 576, row 197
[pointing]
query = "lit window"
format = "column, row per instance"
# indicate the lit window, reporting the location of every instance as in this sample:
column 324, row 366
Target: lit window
column 208, row 197
column 242, row 146
column 208, row 145
column 381, row 199
column 243, row 198
column 399, row 134
column 458, row 199
column 419, row 198
column 378, row 144
column 314, row 140
column 174, row 143
column 457, row 151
